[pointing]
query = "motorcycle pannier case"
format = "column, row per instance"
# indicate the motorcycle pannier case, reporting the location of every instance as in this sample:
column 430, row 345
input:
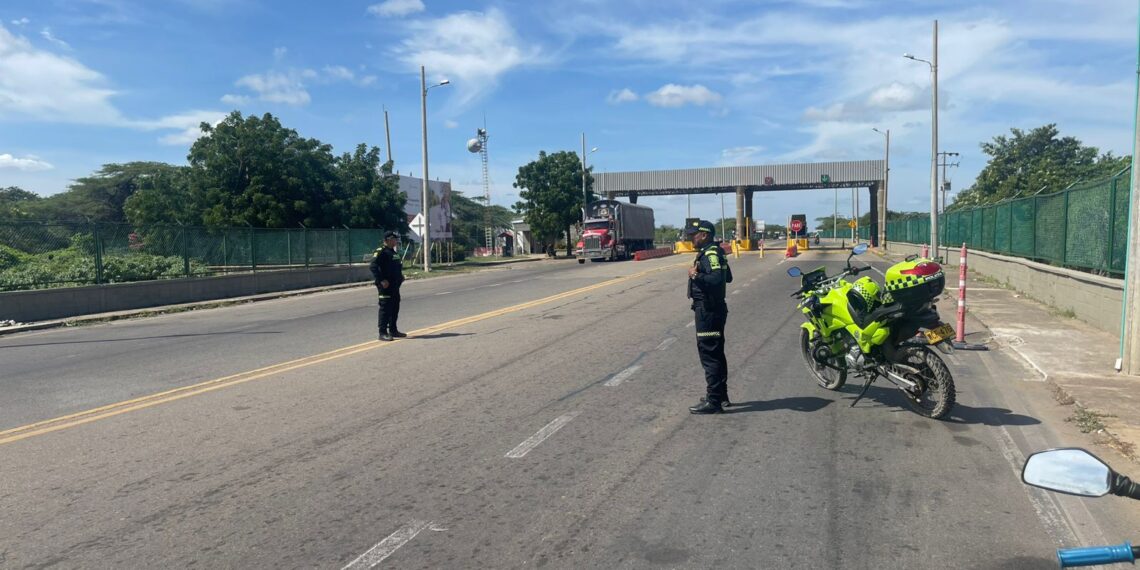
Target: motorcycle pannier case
column 913, row 283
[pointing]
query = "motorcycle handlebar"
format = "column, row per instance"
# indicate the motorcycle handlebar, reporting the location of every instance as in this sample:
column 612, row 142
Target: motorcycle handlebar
column 1095, row 555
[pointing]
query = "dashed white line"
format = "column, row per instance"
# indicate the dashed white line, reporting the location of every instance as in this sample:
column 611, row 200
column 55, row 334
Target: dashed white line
column 623, row 375
column 386, row 547
column 665, row 343
column 444, row 293
column 533, row 441
column 690, row 325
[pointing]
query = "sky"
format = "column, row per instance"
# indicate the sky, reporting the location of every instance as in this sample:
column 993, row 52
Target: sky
column 653, row 84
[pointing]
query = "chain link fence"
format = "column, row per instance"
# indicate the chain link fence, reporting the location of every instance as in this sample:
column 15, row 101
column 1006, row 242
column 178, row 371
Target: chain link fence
column 1083, row 227
column 35, row 255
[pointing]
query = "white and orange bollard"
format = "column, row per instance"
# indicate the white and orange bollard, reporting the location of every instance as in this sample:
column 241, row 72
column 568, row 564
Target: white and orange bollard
column 960, row 335
column 926, row 252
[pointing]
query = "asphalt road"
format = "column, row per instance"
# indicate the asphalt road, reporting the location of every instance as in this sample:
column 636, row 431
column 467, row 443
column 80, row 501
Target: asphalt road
column 553, row 434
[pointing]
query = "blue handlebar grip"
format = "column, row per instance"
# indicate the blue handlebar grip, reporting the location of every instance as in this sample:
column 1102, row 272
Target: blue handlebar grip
column 1093, row 555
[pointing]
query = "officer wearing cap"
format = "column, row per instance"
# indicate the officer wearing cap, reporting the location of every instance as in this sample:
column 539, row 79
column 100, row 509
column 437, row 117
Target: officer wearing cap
column 707, row 279
column 388, row 274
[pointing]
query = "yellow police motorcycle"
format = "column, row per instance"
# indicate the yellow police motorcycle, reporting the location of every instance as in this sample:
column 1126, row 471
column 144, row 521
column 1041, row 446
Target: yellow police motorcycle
column 852, row 328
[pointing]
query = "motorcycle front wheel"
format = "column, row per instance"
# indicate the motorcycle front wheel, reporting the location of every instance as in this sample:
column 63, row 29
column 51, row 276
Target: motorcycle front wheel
column 826, row 376
column 935, row 394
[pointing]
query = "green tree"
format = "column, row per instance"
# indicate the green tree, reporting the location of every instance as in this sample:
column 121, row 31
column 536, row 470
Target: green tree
column 551, row 196
column 163, row 196
column 17, row 203
column 366, row 193
column 468, row 227
column 1028, row 162
column 254, row 171
column 667, row 234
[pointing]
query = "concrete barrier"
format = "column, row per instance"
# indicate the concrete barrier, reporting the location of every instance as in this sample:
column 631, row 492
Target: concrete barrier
column 62, row 303
column 652, row 253
column 1093, row 299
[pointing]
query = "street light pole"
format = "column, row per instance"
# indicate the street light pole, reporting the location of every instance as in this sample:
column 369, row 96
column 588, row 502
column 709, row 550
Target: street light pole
column 883, row 204
column 585, row 196
column 933, row 143
column 425, row 205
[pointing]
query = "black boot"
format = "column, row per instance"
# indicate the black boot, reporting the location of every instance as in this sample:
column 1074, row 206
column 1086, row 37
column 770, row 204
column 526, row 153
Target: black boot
column 399, row 334
column 385, row 336
column 706, row 407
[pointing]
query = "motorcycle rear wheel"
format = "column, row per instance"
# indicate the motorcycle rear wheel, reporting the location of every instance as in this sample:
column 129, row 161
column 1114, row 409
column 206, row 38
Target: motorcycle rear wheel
column 936, row 394
column 825, row 376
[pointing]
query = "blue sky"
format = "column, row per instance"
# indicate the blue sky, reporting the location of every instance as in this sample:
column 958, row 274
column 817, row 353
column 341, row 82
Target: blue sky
column 654, row 84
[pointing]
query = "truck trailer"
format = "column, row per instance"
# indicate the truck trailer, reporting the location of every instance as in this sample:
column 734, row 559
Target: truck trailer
column 614, row 230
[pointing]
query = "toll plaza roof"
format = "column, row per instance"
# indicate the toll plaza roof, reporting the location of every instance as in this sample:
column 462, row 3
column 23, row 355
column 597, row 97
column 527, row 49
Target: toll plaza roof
column 764, row 178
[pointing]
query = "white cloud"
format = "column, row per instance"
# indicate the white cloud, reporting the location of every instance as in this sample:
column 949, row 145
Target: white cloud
column 623, row 96
column 47, row 35
column 235, row 100
column 741, row 155
column 40, row 85
column 450, row 124
column 187, row 124
column 673, row 95
column 396, row 7
column 334, row 73
column 21, row 22
column 26, row 164
column 277, row 87
column 472, row 49
column 290, row 87
column 279, row 53
column 899, row 97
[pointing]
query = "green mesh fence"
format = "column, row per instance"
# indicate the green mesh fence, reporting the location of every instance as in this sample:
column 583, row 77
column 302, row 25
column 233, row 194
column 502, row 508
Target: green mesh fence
column 36, row 255
column 1084, row 226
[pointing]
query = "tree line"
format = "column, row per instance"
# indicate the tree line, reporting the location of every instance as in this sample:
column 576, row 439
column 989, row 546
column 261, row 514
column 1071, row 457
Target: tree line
column 247, row 171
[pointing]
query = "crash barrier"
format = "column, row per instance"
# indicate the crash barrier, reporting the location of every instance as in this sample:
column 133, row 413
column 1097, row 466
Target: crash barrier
column 62, row 303
column 1093, row 299
column 652, row 253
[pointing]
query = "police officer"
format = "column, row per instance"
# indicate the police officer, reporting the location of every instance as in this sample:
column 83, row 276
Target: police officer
column 707, row 279
column 388, row 274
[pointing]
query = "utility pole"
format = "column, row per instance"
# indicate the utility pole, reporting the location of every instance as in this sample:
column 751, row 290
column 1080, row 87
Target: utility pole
column 1129, row 362
column 388, row 135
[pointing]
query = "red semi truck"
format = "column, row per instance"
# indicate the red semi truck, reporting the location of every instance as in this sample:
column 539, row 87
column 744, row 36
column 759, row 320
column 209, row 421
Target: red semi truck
column 614, row 230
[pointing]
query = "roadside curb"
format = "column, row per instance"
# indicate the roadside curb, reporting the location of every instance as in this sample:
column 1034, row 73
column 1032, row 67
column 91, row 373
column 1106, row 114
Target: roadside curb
column 211, row 304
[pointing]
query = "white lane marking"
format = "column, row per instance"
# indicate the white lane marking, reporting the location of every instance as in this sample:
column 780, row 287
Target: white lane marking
column 690, row 325
column 736, row 292
column 1011, row 342
column 533, row 441
column 518, row 281
column 623, row 375
column 444, row 293
column 665, row 343
column 494, row 285
column 386, row 547
column 877, row 271
column 1048, row 511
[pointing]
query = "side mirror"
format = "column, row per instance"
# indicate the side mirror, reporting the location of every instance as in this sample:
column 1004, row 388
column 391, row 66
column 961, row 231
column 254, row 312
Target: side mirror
column 1072, row 471
column 794, row 272
column 859, row 249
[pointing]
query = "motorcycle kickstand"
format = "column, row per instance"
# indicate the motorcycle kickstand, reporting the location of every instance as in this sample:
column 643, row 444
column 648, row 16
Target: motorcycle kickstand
column 866, row 385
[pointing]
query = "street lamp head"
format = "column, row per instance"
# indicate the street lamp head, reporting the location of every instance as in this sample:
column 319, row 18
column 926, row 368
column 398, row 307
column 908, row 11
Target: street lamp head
column 445, row 82
column 595, row 149
column 908, row 56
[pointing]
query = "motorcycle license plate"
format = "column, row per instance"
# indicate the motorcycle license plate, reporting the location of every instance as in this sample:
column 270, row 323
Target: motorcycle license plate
column 944, row 332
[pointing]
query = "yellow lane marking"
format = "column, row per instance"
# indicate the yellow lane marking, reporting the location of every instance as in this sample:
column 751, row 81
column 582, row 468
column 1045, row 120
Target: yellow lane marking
column 110, row 410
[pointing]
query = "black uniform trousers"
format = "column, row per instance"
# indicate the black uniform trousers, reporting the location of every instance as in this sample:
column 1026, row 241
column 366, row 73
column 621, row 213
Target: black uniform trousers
column 710, row 320
column 389, row 310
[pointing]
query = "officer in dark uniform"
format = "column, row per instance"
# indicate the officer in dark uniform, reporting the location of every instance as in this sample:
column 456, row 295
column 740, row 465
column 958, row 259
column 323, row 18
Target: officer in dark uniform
column 388, row 274
column 707, row 279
